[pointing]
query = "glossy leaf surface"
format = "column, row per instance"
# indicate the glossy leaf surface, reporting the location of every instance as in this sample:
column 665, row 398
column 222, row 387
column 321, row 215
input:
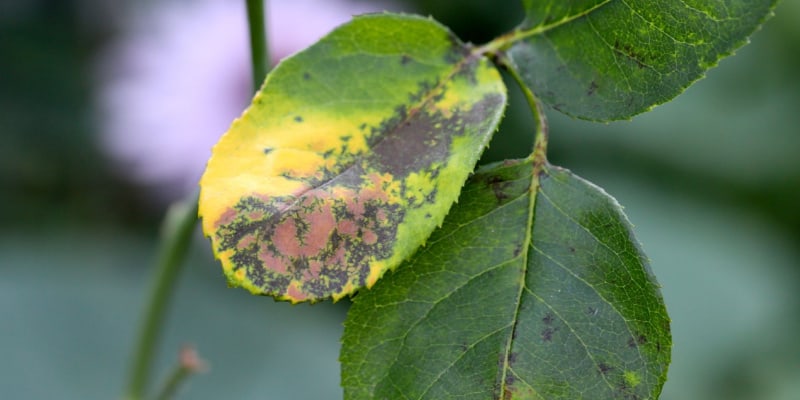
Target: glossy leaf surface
column 612, row 59
column 348, row 158
column 534, row 288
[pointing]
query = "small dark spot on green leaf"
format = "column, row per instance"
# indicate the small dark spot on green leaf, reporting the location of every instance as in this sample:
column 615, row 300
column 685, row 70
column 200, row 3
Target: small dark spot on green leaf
column 592, row 88
column 405, row 59
column 306, row 76
column 628, row 51
column 547, row 334
column 548, row 319
column 268, row 150
column 298, row 119
column 604, row 368
column 512, row 358
column 639, row 340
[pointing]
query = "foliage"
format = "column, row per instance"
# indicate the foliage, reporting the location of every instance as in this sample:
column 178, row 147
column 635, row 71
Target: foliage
column 355, row 149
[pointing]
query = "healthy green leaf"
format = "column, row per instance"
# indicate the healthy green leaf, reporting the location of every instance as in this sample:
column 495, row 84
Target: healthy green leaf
column 348, row 158
column 612, row 59
column 534, row 288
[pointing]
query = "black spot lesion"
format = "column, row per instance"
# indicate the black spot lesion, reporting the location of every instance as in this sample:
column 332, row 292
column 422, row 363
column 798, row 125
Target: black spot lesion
column 547, row 334
column 298, row 119
column 604, row 368
column 405, row 59
column 268, row 150
column 629, row 51
column 637, row 341
column 592, row 88
column 306, row 76
column 500, row 188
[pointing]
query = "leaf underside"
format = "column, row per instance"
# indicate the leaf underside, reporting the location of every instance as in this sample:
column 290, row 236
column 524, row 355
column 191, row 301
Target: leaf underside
column 612, row 59
column 348, row 158
column 534, row 288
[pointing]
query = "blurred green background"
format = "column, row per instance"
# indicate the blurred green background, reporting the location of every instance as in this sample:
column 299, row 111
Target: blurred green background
column 711, row 181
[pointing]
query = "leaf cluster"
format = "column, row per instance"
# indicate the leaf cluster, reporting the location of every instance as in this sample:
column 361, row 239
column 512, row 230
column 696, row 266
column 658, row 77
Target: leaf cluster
column 351, row 156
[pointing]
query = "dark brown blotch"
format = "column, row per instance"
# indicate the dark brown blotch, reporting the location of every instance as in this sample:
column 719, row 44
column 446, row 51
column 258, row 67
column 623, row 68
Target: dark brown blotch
column 592, row 88
column 630, row 52
column 547, row 334
column 604, row 368
column 637, row 341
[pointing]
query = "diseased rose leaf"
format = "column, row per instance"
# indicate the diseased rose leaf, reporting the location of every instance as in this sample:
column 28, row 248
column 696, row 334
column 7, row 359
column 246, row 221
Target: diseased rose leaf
column 348, row 158
column 612, row 59
column 534, row 288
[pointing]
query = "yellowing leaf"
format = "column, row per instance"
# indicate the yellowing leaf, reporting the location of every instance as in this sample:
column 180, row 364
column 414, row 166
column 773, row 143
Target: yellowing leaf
column 350, row 155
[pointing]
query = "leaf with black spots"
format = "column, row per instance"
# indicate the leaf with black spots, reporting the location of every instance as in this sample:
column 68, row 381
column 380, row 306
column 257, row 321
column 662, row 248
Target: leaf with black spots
column 534, row 288
column 348, row 158
column 612, row 59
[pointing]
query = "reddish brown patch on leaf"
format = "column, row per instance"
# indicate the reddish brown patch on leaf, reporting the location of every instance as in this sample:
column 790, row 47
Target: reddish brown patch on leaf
column 285, row 238
column 295, row 293
column 369, row 236
column 256, row 215
column 226, row 218
column 314, row 268
column 246, row 241
column 271, row 262
column 340, row 256
column 375, row 191
column 347, row 227
column 321, row 224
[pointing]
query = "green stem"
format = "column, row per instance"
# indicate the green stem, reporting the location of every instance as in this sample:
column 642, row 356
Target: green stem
column 176, row 236
column 258, row 41
column 539, row 153
column 177, row 229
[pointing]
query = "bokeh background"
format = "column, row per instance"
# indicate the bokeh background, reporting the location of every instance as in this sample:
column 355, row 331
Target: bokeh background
column 108, row 110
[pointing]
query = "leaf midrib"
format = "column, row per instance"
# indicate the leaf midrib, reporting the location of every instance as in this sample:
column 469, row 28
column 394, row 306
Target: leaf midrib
column 527, row 241
column 505, row 41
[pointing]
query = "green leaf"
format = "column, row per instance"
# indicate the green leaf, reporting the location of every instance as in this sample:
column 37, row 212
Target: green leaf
column 534, row 288
column 348, row 158
column 612, row 59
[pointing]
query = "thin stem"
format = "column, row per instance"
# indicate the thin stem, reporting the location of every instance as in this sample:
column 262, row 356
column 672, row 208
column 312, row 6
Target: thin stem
column 176, row 236
column 258, row 41
column 177, row 228
column 539, row 153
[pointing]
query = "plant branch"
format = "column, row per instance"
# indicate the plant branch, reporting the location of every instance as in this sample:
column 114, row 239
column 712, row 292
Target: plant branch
column 177, row 228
